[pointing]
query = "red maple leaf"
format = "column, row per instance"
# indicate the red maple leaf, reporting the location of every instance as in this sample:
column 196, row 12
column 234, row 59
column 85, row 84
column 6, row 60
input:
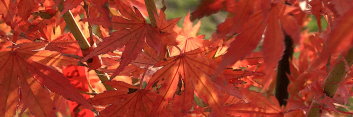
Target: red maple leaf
column 22, row 66
column 195, row 71
column 261, row 23
column 126, row 101
column 208, row 7
column 133, row 33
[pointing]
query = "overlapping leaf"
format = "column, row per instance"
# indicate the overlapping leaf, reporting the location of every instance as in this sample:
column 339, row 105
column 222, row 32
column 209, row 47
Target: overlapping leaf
column 195, row 71
column 261, row 23
column 187, row 37
column 208, row 7
column 339, row 40
column 258, row 106
column 25, row 63
column 133, row 33
column 126, row 101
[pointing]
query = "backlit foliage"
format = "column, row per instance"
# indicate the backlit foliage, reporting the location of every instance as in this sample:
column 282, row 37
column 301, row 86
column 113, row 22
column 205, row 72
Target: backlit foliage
column 158, row 68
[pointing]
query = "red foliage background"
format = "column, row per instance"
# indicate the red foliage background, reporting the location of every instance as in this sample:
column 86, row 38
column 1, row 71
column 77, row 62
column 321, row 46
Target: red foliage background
column 125, row 58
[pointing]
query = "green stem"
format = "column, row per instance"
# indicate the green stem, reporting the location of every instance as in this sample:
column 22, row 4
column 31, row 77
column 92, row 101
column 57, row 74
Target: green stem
column 314, row 110
column 337, row 74
column 333, row 80
column 76, row 31
column 83, row 43
column 104, row 77
column 152, row 10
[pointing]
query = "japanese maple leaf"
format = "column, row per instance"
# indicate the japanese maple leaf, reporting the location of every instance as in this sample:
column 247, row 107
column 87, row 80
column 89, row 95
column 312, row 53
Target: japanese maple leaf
column 241, row 13
column 70, row 4
column 126, row 101
column 208, row 7
column 147, row 58
column 342, row 6
column 195, row 70
column 258, row 105
column 65, row 44
column 133, row 33
column 22, row 67
column 339, row 40
column 187, row 37
column 16, row 14
column 262, row 23
column 77, row 76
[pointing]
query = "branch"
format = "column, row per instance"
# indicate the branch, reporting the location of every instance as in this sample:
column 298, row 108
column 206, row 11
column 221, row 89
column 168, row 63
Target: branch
column 282, row 70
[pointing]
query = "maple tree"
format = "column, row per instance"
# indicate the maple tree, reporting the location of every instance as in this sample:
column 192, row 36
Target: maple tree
column 115, row 58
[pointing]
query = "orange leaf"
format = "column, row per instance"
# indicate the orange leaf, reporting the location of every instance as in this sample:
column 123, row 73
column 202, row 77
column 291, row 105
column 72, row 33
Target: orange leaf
column 339, row 40
column 246, row 41
column 273, row 45
column 126, row 104
column 25, row 61
column 133, row 33
column 195, row 71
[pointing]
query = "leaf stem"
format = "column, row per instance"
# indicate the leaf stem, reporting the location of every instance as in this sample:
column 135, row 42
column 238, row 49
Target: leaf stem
column 76, row 31
column 85, row 6
column 83, row 43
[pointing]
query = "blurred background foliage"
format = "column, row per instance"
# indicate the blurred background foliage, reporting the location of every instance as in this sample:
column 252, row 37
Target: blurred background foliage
column 180, row 8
